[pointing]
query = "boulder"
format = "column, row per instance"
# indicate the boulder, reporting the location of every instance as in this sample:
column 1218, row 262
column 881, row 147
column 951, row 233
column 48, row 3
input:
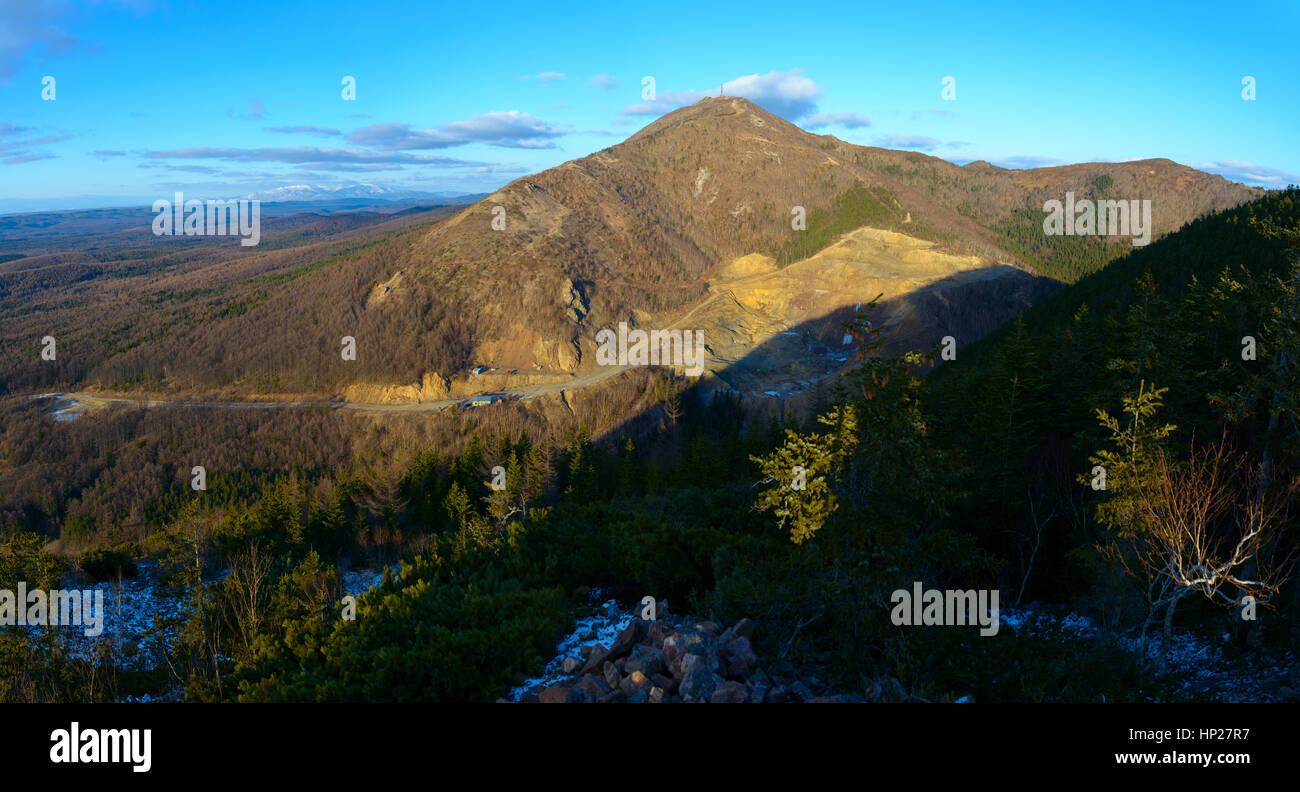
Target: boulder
column 698, row 683
column 646, row 659
column 740, row 659
column 635, row 682
column 593, row 687
column 673, row 652
column 779, row 694
column 667, row 683
column 729, row 693
column 561, row 694
column 596, row 658
column 692, row 661
column 611, row 675
column 571, row 665
column 626, row 638
column 698, row 642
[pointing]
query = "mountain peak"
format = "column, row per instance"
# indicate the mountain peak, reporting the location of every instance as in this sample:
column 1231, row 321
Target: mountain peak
column 715, row 110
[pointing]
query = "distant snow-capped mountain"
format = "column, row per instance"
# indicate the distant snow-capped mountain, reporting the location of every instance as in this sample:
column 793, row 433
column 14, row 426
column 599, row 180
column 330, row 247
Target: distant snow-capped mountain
column 309, row 192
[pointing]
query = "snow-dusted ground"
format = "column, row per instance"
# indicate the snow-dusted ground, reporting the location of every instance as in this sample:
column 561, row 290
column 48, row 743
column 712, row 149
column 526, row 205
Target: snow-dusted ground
column 134, row 608
column 1207, row 669
column 602, row 627
column 130, row 610
column 361, row 580
column 63, row 408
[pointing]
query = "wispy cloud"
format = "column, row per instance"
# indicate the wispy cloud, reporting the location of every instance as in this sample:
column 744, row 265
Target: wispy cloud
column 310, row 155
column 29, row 25
column 204, row 169
column 17, row 152
column 545, row 77
column 605, row 81
column 511, row 129
column 32, row 157
column 303, row 130
column 1024, row 161
column 847, row 120
column 659, row 107
column 1250, row 173
column 917, row 142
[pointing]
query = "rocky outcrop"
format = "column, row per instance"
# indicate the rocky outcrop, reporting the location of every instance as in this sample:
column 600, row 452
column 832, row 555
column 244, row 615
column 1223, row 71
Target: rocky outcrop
column 675, row 659
column 575, row 304
column 431, row 387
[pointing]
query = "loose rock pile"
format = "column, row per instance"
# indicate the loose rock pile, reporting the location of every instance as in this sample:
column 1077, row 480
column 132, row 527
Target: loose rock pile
column 674, row 659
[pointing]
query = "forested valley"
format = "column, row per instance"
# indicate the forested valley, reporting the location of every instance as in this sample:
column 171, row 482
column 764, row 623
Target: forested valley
column 1170, row 373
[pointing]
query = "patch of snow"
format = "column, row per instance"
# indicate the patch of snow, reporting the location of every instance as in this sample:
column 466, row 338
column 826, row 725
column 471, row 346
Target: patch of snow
column 602, row 628
column 1205, row 667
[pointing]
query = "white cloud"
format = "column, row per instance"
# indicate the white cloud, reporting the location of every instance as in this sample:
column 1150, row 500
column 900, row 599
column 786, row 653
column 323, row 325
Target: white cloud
column 847, row 120
column 1250, row 173
column 1024, row 161
column 545, row 77
column 309, row 155
column 919, row 142
column 788, row 94
column 511, row 129
column 303, row 130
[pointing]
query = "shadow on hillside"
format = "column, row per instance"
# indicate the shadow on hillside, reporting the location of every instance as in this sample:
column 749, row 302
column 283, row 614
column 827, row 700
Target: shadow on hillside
column 794, row 371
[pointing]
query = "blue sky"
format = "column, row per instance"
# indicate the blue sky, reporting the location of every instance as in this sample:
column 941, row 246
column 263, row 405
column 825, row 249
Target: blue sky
column 221, row 99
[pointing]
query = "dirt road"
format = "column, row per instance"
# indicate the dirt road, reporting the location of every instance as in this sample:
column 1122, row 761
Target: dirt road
column 71, row 405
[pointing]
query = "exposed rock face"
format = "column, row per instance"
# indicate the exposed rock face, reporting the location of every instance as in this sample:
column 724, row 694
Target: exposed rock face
column 676, row 659
column 431, row 387
column 561, row 355
column 575, row 303
column 382, row 291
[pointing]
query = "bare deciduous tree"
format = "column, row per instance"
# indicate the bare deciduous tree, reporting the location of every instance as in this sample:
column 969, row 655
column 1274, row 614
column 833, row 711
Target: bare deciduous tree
column 248, row 589
column 1208, row 526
